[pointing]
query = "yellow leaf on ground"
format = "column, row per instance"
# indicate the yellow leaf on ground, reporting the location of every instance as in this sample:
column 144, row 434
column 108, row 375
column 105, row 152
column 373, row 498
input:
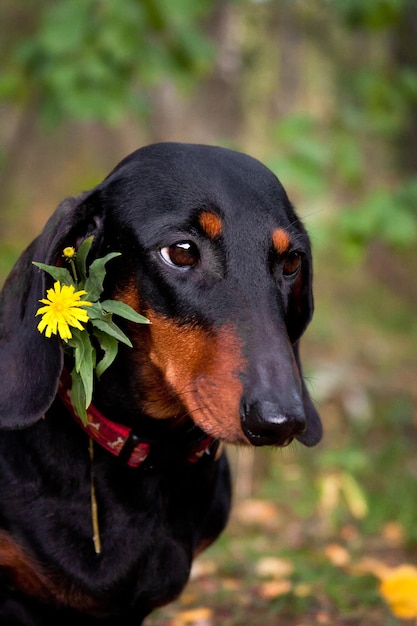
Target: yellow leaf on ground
column 399, row 590
column 197, row 617
column 274, row 588
column 369, row 565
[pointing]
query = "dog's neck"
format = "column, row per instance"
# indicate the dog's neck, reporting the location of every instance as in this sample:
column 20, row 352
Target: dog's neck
column 123, row 442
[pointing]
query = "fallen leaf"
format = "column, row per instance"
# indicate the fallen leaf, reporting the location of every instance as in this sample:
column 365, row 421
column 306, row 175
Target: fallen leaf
column 337, row 554
column 203, row 567
column 258, row 512
column 189, row 597
column 196, row 617
column 231, row 584
column 354, row 495
column 369, row 565
column 322, row 618
column 274, row 588
column 336, row 485
column 329, row 493
column 399, row 590
column 393, row 533
column 273, row 567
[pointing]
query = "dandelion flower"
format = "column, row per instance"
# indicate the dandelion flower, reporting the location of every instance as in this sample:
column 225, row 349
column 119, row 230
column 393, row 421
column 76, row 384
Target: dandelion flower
column 63, row 308
column 69, row 253
column 399, row 589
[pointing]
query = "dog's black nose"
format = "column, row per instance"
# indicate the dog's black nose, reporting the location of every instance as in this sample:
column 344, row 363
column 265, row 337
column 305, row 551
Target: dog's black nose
column 264, row 424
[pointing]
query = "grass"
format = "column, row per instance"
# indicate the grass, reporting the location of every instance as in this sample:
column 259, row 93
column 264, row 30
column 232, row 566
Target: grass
column 326, row 522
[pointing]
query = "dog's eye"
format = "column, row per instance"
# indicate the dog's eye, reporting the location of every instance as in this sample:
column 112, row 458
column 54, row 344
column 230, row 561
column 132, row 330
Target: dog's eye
column 183, row 254
column 292, row 264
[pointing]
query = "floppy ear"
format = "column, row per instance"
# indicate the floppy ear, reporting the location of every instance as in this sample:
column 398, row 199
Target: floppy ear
column 314, row 432
column 30, row 363
column 299, row 314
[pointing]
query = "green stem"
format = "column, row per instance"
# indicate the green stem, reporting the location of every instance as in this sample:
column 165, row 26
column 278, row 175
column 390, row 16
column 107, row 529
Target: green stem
column 74, row 271
column 94, row 508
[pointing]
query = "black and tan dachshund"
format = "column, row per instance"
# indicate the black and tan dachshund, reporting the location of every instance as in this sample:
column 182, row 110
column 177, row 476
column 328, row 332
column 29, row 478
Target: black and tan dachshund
column 214, row 256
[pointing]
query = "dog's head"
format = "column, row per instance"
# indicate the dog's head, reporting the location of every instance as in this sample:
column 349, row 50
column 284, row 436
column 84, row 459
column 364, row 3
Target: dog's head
column 214, row 255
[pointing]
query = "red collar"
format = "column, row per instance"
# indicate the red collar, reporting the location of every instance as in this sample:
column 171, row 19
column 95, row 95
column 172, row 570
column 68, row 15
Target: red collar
column 118, row 439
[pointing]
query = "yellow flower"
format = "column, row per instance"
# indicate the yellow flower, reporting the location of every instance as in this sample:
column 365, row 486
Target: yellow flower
column 62, row 309
column 399, row 589
column 69, row 253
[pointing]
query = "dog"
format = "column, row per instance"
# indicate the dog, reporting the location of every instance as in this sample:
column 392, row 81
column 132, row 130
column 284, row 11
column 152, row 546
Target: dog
column 213, row 254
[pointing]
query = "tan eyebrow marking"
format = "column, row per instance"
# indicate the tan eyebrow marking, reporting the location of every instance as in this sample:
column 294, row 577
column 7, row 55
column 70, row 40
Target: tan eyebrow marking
column 281, row 240
column 211, row 224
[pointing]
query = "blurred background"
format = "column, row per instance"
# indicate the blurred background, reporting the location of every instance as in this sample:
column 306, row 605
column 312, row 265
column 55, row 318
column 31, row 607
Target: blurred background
column 324, row 92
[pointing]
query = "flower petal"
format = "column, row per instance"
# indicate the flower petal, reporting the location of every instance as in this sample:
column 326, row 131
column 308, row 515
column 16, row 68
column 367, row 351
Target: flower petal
column 63, row 308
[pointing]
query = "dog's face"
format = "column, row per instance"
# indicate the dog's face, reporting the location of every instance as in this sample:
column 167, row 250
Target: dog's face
column 214, row 255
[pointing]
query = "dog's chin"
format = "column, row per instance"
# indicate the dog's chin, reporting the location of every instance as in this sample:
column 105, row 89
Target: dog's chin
column 233, row 436
column 231, row 430
column 238, row 438
column 263, row 442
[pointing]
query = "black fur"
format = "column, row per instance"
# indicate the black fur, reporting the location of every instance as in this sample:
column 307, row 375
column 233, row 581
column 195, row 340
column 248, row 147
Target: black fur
column 153, row 518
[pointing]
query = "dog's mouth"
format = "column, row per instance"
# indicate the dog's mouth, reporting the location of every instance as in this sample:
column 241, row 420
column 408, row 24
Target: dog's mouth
column 259, row 440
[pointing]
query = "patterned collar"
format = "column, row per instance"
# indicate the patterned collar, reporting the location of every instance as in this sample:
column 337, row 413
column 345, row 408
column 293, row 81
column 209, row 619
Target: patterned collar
column 121, row 440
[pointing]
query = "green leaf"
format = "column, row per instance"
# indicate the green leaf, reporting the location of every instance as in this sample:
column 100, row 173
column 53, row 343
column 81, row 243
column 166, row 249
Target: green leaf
column 104, row 322
column 355, row 496
column 85, row 357
column 81, row 258
column 86, row 372
column 109, row 345
column 109, row 327
column 94, row 283
column 78, row 396
column 78, row 344
column 95, row 312
column 57, row 273
column 123, row 310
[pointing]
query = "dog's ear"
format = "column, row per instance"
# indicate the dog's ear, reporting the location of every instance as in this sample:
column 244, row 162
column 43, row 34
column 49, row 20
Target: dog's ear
column 30, row 363
column 299, row 313
column 314, row 431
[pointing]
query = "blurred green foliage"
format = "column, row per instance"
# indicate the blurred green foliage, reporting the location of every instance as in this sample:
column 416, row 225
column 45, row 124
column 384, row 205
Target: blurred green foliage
column 312, row 157
column 86, row 59
column 99, row 60
column 387, row 215
column 373, row 14
column 361, row 148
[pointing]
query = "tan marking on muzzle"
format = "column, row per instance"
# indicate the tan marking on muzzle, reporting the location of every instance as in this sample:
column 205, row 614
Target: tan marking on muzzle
column 202, row 369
